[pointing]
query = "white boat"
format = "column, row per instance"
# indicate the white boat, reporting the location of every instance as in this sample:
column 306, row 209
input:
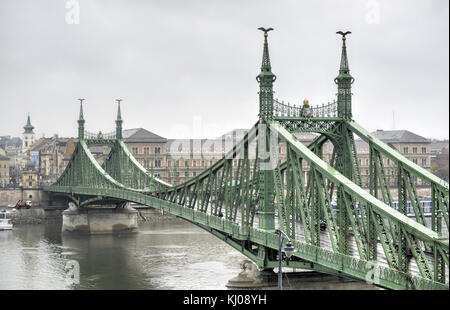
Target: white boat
column 4, row 222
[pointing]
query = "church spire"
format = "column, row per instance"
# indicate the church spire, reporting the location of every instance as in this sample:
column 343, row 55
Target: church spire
column 119, row 121
column 81, row 121
column 344, row 81
column 266, row 79
column 28, row 127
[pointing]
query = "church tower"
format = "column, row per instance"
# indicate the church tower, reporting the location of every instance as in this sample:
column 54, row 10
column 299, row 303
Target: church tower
column 28, row 135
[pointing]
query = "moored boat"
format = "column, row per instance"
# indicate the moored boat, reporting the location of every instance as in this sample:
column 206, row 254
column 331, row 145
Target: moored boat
column 4, row 222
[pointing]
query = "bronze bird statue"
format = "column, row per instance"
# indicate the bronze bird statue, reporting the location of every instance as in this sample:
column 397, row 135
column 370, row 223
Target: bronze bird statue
column 265, row 30
column 343, row 33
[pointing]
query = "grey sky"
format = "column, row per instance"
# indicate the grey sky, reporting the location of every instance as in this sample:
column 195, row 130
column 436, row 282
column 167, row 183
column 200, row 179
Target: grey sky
column 188, row 68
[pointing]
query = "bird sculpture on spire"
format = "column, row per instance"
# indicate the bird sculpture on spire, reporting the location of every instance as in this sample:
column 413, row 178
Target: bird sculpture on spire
column 343, row 34
column 265, row 30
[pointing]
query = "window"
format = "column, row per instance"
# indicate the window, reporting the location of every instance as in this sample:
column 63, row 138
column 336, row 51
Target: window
column 157, row 162
column 414, row 150
column 157, row 150
column 146, row 150
column 186, row 163
column 30, row 184
column 194, row 174
column 186, row 174
column 415, row 160
column 134, row 150
column 424, row 150
column 424, row 161
column 367, row 171
column 405, row 150
column 169, row 163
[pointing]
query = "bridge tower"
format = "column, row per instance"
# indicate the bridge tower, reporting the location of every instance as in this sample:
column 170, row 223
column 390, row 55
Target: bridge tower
column 345, row 146
column 266, row 197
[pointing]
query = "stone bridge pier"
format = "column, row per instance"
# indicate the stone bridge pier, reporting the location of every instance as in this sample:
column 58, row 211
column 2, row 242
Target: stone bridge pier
column 99, row 220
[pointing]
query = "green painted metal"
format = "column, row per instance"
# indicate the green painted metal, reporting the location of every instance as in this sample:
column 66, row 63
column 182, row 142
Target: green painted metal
column 242, row 204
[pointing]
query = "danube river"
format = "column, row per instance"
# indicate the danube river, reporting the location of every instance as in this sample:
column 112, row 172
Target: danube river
column 171, row 254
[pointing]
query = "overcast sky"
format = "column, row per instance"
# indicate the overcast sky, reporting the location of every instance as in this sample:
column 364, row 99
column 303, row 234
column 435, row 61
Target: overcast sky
column 187, row 68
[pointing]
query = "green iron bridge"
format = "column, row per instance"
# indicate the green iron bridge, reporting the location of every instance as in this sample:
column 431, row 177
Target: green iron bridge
column 244, row 203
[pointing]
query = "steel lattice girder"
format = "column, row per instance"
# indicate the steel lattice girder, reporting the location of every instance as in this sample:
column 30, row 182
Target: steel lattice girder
column 82, row 159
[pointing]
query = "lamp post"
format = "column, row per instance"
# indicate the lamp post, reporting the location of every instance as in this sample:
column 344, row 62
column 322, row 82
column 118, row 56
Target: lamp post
column 288, row 250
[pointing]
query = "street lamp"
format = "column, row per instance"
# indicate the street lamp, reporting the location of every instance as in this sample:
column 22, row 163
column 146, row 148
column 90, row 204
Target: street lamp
column 288, row 250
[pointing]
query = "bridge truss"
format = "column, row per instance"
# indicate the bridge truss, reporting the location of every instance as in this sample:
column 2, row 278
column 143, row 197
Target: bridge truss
column 248, row 194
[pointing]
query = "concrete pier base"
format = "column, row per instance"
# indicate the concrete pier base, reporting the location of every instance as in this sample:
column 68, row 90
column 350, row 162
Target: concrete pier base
column 97, row 220
column 250, row 278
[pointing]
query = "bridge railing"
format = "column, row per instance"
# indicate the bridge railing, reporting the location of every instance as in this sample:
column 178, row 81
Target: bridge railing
column 286, row 109
column 100, row 135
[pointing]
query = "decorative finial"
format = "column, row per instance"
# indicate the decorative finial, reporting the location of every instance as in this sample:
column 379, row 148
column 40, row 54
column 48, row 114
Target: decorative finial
column 118, row 121
column 265, row 30
column 343, row 34
column 305, row 102
column 119, row 116
column 81, row 117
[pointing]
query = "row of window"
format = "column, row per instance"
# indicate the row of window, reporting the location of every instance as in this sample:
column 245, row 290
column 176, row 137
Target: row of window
column 388, row 161
column 414, row 150
column 135, row 150
column 156, row 163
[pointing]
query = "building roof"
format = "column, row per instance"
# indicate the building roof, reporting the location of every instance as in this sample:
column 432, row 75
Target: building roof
column 2, row 157
column 437, row 146
column 141, row 135
column 399, row 136
column 10, row 141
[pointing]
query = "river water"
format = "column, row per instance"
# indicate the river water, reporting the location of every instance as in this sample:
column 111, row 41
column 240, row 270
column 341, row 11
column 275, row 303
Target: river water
column 163, row 255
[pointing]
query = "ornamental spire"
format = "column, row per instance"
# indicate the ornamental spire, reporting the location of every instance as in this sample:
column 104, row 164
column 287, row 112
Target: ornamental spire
column 119, row 116
column 265, row 80
column 118, row 121
column 344, row 81
column 81, row 117
column 265, row 66
column 344, row 68
column 81, row 121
